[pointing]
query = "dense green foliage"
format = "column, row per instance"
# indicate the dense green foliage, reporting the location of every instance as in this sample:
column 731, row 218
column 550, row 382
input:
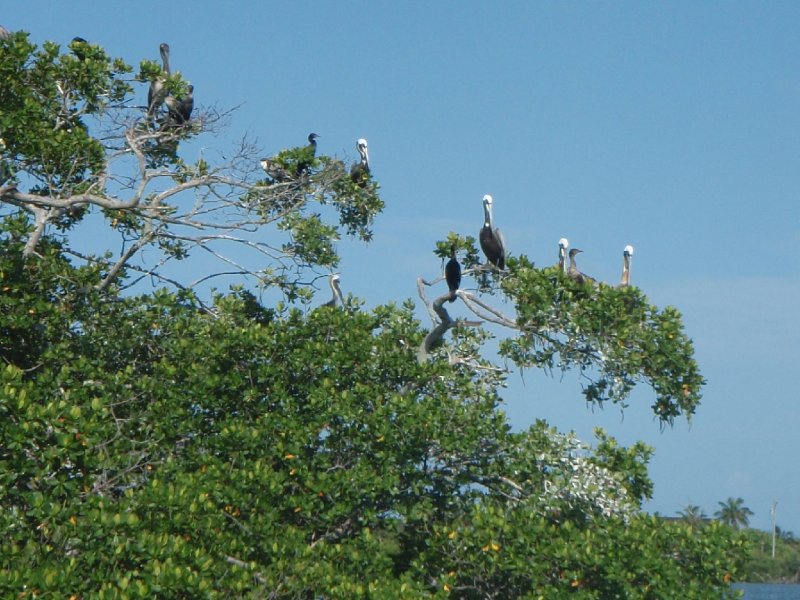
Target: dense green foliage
column 761, row 566
column 163, row 446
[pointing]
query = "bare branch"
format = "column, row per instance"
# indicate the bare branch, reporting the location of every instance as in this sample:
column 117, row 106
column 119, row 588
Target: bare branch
column 240, row 563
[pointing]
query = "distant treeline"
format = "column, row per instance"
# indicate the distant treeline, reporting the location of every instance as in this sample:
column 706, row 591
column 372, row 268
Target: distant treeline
column 761, row 567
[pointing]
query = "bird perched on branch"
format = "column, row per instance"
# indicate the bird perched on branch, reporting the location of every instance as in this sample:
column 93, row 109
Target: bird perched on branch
column 157, row 92
column 274, row 170
column 491, row 239
column 78, row 45
column 627, row 253
column 180, row 111
column 359, row 172
column 333, row 281
column 573, row 271
column 452, row 273
column 310, row 151
column 563, row 244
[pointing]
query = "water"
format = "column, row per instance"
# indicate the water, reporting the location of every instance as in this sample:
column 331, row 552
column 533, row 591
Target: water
column 768, row 591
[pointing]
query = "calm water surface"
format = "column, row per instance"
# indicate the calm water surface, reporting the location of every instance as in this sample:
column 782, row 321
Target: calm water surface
column 769, row 591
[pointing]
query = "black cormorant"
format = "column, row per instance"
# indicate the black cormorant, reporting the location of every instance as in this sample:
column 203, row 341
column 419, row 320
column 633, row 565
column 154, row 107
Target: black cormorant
column 309, row 153
column 78, row 46
column 490, row 238
column 452, row 273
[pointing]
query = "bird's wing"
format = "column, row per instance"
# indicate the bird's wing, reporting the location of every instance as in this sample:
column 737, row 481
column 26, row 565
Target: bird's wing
column 501, row 239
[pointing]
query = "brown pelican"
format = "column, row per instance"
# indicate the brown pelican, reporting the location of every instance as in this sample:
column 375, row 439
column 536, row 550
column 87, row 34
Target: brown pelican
column 275, row 171
column 309, row 153
column 333, row 281
column 359, row 172
column 452, row 273
column 157, row 94
column 180, row 111
column 625, row 281
column 491, row 239
column 573, row 271
column 563, row 244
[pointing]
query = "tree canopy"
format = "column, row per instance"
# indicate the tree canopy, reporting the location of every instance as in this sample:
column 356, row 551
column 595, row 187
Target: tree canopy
column 173, row 445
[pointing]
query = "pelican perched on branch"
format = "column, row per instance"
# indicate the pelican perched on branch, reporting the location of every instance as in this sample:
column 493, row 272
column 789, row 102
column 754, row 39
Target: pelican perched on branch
column 573, row 271
column 359, row 172
column 452, row 273
column 491, row 239
column 333, row 281
column 274, row 170
column 625, row 281
column 563, row 244
column 157, row 92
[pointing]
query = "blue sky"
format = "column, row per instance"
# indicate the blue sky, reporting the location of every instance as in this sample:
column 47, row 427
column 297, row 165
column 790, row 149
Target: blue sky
column 674, row 127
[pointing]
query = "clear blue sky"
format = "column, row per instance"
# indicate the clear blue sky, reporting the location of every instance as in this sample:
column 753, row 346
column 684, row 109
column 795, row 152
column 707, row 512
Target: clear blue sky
column 674, row 127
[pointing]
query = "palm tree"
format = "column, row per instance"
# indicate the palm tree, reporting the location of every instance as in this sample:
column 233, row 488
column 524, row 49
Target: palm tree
column 693, row 515
column 785, row 535
column 733, row 512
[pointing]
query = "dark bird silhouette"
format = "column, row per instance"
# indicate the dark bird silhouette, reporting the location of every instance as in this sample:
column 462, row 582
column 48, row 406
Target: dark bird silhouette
column 309, row 152
column 563, row 244
column 452, row 273
column 573, row 271
column 625, row 280
column 180, row 111
column 491, row 239
column 359, row 172
column 78, row 45
column 333, row 281
column 157, row 92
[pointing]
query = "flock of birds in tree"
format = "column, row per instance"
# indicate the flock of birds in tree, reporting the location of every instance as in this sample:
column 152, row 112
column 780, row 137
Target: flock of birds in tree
column 494, row 248
column 179, row 112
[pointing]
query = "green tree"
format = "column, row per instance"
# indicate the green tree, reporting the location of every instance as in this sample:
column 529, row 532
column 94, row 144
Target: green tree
column 693, row 515
column 77, row 146
column 786, row 535
column 734, row 513
column 172, row 445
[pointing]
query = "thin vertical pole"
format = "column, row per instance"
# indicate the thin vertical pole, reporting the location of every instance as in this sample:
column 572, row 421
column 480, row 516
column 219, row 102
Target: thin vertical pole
column 774, row 512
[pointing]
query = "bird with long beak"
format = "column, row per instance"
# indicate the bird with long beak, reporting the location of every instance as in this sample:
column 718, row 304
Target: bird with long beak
column 333, row 281
column 573, row 271
column 627, row 253
column 563, row 244
column 157, row 92
column 491, row 239
column 359, row 172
